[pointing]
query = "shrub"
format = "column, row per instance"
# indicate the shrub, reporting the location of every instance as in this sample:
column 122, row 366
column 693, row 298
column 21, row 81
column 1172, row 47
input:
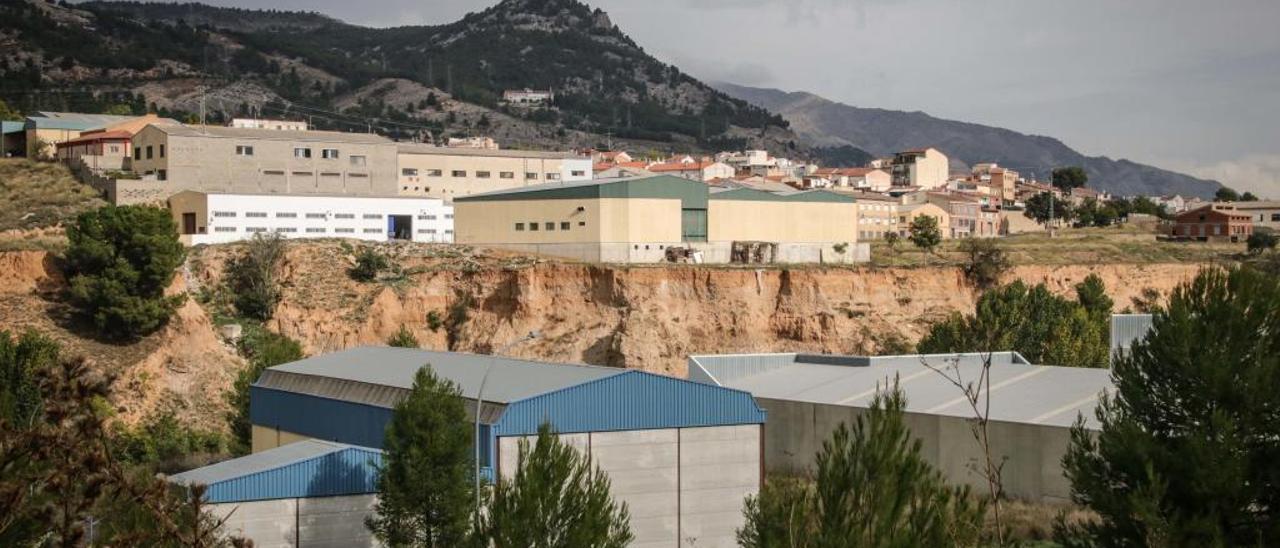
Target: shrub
column 434, row 323
column 252, row 276
column 263, row 349
column 987, row 262
column 119, row 262
column 369, row 262
column 403, row 338
column 1261, row 241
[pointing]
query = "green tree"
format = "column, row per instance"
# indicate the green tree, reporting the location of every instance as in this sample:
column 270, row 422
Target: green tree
column 1067, row 178
column 1226, row 194
column 403, row 338
column 1248, row 197
column 252, row 276
column 557, row 499
column 873, row 487
column 119, row 109
column 369, row 262
column 1038, row 208
column 425, row 490
column 892, row 240
column 263, row 349
column 1043, row 327
column 1261, row 241
column 924, row 233
column 986, row 262
column 1186, row 446
column 7, row 113
column 21, row 360
column 119, row 263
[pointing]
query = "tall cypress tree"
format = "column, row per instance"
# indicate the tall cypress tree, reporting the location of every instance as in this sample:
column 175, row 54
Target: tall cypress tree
column 425, row 491
column 1188, row 447
column 557, row 499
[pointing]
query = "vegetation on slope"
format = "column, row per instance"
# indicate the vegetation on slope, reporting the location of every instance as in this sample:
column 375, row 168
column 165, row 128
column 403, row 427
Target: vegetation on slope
column 39, row 195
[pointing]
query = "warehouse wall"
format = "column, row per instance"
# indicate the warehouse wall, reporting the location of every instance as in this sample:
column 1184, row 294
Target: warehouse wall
column 264, row 437
column 1033, row 469
column 269, row 523
column 782, row 221
column 310, row 522
column 682, row 486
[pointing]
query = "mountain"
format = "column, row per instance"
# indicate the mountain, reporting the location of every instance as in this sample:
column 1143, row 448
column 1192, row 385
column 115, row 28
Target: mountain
column 445, row 79
column 821, row 122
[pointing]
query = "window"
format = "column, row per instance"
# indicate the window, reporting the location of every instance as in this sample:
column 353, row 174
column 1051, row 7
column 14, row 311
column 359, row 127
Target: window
column 137, row 154
column 551, row 226
column 1275, row 217
column 371, row 216
column 519, row 227
column 506, row 175
column 434, row 173
column 275, row 172
column 330, row 174
column 426, row 217
column 255, row 229
column 426, row 231
column 315, row 230
column 302, row 174
column 408, row 172
column 316, row 215
column 458, row 173
column 344, row 230
column 286, row 215
column 224, row 214
column 224, row 229
column 448, row 231
column 530, row 175
column 578, row 173
column 301, row 152
column 286, row 229
column 257, row 214
column 149, row 152
column 564, row 225
column 358, row 161
column 372, row 231
column 344, row 216
column 553, row 176
column 358, row 175
column 482, row 174
column 162, row 151
column 533, row 227
column 448, row 215
column 582, row 223
column 244, row 150
column 329, row 154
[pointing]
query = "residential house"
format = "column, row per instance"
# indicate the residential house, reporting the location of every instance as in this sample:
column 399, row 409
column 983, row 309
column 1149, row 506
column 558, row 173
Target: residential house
column 877, row 215
column 862, row 178
column 108, row 147
column 907, row 213
column 449, row 173
column 1000, row 181
column 262, row 123
column 528, row 96
column 45, row 129
column 926, row 168
column 704, row 170
column 610, row 157
column 486, row 143
column 1263, row 213
column 1216, row 221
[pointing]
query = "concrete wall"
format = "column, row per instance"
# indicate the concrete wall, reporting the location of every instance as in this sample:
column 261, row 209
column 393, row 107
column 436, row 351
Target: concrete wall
column 684, row 487
column 432, row 173
column 781, row 221
column 307, row 217
column 1033, row 469
column 264, row 438
column 309, row 522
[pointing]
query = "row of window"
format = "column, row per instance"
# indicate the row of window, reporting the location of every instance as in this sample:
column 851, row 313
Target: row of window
column 549, row 226
column 528, row 175
column 303, row 153
column 149, row 150
column 293, row 215
column 319, row 230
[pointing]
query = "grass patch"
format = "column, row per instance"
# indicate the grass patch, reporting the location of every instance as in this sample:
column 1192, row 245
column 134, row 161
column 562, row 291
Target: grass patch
column 41, row 194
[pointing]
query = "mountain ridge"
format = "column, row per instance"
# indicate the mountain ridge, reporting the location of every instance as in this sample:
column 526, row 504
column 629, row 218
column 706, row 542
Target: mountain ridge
column 823, row 122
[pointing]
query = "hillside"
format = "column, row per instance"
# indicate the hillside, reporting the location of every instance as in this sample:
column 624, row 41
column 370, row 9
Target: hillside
column 827, row 123
column 98, row 54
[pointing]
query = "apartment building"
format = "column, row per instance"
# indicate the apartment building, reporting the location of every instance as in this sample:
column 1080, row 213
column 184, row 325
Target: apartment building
column 266, row 161
column 216, row 217
column 877, row 215
column 924, row 168
column 449, row 173
column 1001, row 181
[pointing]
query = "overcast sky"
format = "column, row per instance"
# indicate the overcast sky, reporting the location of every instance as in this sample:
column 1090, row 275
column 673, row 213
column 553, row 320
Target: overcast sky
column 1187, row 85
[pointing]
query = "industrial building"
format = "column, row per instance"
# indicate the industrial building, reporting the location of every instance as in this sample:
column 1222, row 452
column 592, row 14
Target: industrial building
column 218, row 217
column 452, row 172
column 1127, row 329
column 312, row 493
column 1032, row 408
column 45, row 129
column 682, row 455
column 637, row 219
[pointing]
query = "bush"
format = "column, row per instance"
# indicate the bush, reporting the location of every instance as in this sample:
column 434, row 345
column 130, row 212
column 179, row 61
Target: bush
column 251, row 276
column 119, row 262
column 434, row 323
column 162, row 442
column 1261, row 241
column 368, row 264
column 403, row 339
column 987, row 262
column 263, row 349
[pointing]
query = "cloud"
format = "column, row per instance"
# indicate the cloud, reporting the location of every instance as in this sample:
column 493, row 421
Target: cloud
column 1256, row 173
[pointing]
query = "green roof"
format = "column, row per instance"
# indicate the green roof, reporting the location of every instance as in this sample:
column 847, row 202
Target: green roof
column 749, row 194
column 692, row 194
column 11, row 127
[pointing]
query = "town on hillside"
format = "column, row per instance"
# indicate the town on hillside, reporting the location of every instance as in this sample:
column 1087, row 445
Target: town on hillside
column 231, row 329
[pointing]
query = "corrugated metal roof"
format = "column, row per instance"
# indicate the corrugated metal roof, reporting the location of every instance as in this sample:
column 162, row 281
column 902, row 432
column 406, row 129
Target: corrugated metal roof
column 509, row 379
column 272, row 134
column 310, row 468
column 420, row 148
column 1127, row 329
column 1020, row 392
column 692, row 194
column 11, row 127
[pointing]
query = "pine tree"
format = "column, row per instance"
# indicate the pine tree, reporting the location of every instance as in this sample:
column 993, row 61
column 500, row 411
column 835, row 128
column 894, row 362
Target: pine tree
column 425, row 491
column 872, row 488
column 925, row 233
column 557, row 499
column 403, row 339
column 1187, row 451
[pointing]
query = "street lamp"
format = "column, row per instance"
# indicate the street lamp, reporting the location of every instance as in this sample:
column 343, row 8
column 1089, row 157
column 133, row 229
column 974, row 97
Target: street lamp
column 480, row 401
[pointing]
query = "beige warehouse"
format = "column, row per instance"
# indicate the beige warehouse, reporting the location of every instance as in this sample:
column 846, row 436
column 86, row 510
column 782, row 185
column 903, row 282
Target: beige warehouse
column 636, row 219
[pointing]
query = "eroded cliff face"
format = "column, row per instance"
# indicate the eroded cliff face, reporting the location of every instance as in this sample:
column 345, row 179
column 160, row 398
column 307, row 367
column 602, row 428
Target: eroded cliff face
column 639, row 317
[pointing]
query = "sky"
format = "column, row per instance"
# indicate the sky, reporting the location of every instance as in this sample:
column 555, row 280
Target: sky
column 1187, row 85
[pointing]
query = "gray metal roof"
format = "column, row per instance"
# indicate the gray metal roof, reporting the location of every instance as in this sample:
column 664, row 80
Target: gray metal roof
column 270, row 459
column 1020, row 392
column 420, row 148
column 509, row 379
column 1127, row 329
column 566, row 184
column 272, row 134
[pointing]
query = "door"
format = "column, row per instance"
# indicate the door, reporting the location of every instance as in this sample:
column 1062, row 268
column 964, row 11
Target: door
column 188, row 223
column 693, row 225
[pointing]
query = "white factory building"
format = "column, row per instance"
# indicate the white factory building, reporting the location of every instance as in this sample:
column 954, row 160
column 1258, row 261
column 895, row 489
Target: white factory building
column 216, row 217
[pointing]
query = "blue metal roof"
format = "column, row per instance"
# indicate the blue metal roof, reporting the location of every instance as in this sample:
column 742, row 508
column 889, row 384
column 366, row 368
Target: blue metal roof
column 310, row 468
column 11, row 127
column 635, row 400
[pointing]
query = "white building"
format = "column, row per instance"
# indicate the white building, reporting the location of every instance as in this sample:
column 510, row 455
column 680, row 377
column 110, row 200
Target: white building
column 261, row 123
column 528, row 96
column 213, row 217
